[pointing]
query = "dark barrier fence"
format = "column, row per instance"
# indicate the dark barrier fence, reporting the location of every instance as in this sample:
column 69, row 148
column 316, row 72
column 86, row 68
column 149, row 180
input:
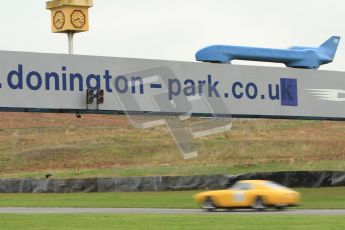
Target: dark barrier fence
column 306, row 179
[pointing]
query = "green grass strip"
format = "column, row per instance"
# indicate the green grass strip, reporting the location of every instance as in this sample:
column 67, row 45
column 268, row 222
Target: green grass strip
column 153, row 222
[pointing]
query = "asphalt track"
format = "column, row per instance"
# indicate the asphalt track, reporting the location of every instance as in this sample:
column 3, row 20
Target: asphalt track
column 167, row 211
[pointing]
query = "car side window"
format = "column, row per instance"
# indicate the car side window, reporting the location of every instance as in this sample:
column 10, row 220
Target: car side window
column 241, row 186
column 246, row 186
column 273, row 185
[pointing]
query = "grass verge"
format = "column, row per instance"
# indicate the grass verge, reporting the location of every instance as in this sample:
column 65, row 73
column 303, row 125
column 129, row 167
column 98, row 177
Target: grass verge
column 32, row 145
column 128, row 222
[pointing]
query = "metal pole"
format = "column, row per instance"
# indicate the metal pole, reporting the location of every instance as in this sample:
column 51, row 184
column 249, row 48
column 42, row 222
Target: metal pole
column 70, row 42
column 70, row 51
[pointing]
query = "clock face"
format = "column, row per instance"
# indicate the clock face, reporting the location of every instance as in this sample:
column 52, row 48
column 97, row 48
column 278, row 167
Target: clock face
column 78, row 19
column 59, row 20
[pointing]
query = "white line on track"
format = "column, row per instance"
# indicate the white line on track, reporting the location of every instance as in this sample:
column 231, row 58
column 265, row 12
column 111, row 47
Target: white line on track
column 24, row 210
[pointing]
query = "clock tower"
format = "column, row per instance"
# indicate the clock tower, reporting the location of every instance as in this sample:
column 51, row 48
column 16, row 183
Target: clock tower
column 69, row 15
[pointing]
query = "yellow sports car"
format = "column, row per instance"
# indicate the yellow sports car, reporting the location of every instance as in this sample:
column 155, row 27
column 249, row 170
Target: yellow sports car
column 257, row 194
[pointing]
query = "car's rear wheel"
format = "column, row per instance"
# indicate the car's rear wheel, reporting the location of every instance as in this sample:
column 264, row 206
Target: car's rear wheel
column 259, row 203
column 208, row 204
column 281, row 207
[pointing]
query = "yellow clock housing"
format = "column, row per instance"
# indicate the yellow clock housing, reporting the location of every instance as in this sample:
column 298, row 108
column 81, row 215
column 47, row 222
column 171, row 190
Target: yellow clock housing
column 69, row 15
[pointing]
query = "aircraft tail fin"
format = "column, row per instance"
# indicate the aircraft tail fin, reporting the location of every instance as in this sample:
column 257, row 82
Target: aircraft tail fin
column 330, row 46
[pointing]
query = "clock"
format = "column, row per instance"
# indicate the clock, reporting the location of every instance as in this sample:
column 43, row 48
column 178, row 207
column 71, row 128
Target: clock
column 58, row 20
column 78, row 19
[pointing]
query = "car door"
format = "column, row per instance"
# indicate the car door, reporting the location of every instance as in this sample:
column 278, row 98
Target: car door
column 240, row 195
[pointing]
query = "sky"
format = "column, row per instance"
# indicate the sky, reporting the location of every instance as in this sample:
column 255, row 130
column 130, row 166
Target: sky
column 176, row 29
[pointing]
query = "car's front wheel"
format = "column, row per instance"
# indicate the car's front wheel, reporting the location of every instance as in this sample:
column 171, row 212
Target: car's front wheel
column 208, row 204
column 259, row 203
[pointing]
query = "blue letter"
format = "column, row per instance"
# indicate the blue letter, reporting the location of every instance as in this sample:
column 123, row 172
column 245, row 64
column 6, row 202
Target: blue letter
column 270, row 93
column 190, row 88
column 212, row 87
column 64, row 79
column 76, row 76
column 107, row 78
column 56, row 78
column 39, row 80
column 288, row 87
column 19, row 74
column 141, row 84
column 97, row 78
column 255, row 88
column 237, row 84
column 117, row 84
column 171, row 90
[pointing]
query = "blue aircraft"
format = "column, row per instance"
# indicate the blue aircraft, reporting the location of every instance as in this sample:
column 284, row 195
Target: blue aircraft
column 295, row 56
